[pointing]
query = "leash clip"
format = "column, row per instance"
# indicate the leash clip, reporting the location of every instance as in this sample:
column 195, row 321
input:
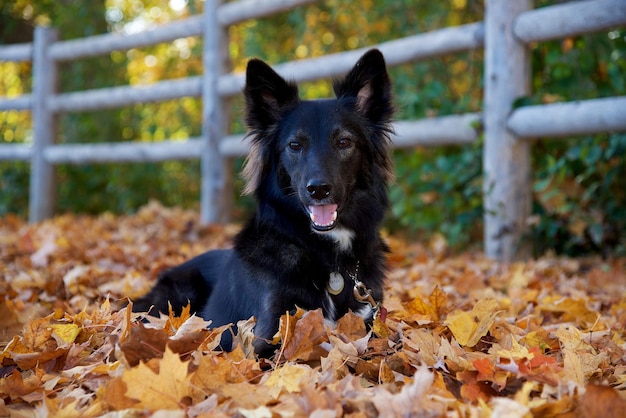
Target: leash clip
column 364, row 295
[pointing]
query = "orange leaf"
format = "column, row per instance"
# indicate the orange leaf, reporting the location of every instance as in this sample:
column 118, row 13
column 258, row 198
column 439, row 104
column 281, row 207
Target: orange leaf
column 219, row 369
column 16, row 386
column 540, row 359
column 164, row 389
column 473, row 390
column 351, row 325
column 174, row 322
column 486, row 369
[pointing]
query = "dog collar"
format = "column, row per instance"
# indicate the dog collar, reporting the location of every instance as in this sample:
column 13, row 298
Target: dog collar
column 360, row 291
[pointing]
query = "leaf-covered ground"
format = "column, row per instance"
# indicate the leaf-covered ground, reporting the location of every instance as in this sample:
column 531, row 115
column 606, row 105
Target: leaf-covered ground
column 462, row 336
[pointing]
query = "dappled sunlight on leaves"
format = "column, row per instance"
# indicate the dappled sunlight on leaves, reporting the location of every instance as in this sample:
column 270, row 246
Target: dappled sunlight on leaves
column 459, row 336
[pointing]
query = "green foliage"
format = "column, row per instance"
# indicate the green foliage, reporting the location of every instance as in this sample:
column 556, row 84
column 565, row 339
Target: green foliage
column 579, row 183
column 14, row 186
column 439, row 192
column 122, row 188
column 581, row 197
column 439, row 189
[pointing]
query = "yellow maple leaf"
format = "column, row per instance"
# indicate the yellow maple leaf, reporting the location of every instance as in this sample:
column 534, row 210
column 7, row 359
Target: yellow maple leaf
column 425, row 311
column 159, row 390
column 380, row 328
column 516, row 352
column 573, row 310
column 65, row 334
column 416, row 310
column 289, row 378
column 469, row 327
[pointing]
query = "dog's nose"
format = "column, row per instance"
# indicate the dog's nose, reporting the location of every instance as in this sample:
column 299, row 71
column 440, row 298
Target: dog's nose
column 318, row 189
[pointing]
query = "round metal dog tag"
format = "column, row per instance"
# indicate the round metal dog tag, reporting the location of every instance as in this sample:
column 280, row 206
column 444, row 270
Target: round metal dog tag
column 335, row 283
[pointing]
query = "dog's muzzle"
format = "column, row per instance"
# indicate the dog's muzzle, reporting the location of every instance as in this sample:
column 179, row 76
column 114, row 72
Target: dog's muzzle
column 323, row 217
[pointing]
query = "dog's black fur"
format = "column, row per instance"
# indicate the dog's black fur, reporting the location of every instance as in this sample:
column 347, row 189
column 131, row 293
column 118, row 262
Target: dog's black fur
column 306, row 157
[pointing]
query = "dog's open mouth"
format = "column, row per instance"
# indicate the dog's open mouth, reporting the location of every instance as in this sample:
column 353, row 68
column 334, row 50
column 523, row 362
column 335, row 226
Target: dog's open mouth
column 323, row 217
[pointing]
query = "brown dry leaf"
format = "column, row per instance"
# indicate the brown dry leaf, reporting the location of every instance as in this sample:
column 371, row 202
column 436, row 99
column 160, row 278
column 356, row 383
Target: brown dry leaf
column 425, row 343
column 302, row 336
column 351, row 326
column 439, row 303
column 10, row 323
column 143, row 344
column 425, row 311
column 16, row 386
column 601, row 402
column 245, row 336
column 246, row 395
column 287, row 326
column 334, row 365
column 306, row 337
column 380, row 329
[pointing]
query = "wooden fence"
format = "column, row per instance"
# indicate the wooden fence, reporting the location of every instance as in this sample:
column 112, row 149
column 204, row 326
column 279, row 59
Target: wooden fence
column 509, row 26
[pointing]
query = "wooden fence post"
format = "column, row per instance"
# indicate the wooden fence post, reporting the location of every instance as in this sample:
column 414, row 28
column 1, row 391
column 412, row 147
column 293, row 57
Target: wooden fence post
column 506, row 160
column 216, row 195
column 45, row 79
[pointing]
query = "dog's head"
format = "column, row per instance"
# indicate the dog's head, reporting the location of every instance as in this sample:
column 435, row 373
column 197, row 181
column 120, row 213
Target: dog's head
column 328, row 159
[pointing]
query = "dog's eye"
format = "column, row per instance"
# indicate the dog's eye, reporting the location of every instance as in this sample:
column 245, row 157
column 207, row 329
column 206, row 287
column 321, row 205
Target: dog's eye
column 295, row 146
column 344, row 143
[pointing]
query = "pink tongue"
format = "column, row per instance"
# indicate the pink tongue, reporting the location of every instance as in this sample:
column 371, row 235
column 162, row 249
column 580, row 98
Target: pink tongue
column 323, row 214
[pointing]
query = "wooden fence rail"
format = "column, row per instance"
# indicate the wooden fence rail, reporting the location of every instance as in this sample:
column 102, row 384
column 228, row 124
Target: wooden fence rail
column 508, row 28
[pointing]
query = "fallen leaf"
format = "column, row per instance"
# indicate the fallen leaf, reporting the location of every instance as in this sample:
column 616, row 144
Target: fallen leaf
column 165, row 388
column 302, row 341
column 469, row 327
column 65, row 334
column 601, row 402
column 411, row 399
column 219, row 369
column 289, row 378
column 534, row 338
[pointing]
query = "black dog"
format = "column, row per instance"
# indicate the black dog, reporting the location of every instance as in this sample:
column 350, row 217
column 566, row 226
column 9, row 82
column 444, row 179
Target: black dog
column 319, row 172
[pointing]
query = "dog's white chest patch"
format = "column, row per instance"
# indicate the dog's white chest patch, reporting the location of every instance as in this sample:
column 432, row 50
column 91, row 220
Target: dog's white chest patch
column 342, row 236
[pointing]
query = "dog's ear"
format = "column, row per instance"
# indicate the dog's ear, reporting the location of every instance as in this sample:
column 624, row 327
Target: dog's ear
column 267, row 95
column 368, row 84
